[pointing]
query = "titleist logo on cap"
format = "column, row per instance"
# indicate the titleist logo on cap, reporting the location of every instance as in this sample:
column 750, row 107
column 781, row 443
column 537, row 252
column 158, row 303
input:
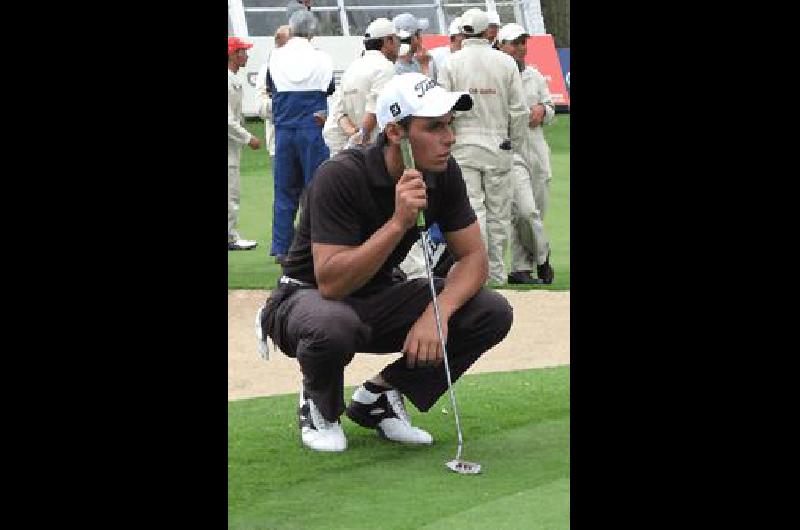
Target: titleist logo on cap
column 423, row 86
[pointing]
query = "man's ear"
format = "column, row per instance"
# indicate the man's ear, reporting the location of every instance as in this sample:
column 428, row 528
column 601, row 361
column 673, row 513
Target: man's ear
column 394, row 133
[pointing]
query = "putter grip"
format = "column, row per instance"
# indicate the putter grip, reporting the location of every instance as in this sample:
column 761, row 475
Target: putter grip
column 408, row 162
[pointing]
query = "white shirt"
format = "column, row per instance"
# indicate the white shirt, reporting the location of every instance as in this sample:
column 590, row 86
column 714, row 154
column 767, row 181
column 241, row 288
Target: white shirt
column 499, row 110
column 358, row 92
column 298, row 66
column 265, row 108
column 440, row 55
column 534, row 153
column 536, row 91
column 237, row 134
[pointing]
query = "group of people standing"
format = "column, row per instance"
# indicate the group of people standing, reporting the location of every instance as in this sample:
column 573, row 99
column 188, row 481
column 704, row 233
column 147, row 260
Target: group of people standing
column 500, row 147
column 471, row 115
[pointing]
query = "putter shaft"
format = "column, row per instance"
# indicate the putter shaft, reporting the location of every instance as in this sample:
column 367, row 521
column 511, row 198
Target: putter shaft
column 425, row 237
column 408, row 162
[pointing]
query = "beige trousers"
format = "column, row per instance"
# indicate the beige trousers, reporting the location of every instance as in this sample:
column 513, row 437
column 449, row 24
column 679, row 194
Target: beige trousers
column 234, row 154
column 490, row 194
column 529, row 243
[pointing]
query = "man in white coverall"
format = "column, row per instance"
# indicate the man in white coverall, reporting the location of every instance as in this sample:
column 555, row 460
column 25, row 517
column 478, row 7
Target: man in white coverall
column 493, row 29
column 413, row 266
column 237, row 137
column 482, row 149
column 352, row 121
column 412, row 56
column 531, row 171
column 282, row 34
column 441, row 53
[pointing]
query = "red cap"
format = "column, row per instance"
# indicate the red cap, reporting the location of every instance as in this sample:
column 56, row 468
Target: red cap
column 235, row 43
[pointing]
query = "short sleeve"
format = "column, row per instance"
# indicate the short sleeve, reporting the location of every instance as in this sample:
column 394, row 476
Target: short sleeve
column 332, row 200
column 456, row 213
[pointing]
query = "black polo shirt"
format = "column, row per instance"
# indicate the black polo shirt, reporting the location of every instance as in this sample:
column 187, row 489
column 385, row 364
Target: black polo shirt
column 351, row 196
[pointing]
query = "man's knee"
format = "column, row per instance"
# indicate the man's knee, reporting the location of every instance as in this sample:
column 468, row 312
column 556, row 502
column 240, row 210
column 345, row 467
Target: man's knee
column 496, row 314
column 335, row 334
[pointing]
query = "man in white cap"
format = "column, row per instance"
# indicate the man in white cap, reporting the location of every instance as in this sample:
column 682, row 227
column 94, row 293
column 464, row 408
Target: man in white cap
column 338, row 295
column 493, row 28
column 441, row 53
column 531, row 172
column 412, row 56
column 237, row 137
column 483, row 149
column 300, row 79
column 414, row 264
column 352, row 121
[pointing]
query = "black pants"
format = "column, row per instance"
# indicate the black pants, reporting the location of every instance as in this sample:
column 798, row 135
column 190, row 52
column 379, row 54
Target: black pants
column 324, row 335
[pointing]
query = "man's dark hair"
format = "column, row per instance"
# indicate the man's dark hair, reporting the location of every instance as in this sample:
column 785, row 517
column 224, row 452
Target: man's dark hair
column 374, row 44
column 405, row 123
column 469, row 35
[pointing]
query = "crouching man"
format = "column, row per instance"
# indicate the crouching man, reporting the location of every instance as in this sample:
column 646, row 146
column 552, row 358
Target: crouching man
column 338, row 296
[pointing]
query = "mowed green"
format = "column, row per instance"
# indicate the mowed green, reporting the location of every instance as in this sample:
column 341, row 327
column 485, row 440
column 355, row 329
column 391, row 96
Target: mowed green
column 516, row 425
column 256, row 269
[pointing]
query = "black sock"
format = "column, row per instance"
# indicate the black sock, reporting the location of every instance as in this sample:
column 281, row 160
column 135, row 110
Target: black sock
column 375, row 389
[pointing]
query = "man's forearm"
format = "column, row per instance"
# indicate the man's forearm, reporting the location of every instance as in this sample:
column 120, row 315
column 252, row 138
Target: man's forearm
column 346, row 271
column 464, row 280
column 347, row 125
column 368, row 123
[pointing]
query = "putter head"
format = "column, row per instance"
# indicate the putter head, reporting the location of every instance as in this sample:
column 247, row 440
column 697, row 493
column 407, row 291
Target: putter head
column 464, row 468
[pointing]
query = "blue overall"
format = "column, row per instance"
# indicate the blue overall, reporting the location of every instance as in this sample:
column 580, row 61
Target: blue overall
column 299, row 146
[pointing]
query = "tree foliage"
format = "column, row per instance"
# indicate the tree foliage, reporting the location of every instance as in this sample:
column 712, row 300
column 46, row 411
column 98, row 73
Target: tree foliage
column 556, row 20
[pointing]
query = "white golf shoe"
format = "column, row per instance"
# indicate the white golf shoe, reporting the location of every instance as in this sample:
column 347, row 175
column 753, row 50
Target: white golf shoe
column 242, row 244
column 387, row 413
column 261, row 345
column 316, row 432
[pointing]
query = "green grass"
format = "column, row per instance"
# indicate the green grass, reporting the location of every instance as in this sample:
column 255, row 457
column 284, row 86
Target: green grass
column 256, row 269
column 516, row 425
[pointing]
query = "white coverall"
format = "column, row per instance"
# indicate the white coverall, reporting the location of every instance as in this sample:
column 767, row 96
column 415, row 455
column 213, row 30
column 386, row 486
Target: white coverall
column 265, row 109
column 440, row 55
column 532, row 175
column 499, row 111
column 237, row 138
column 334, row 137
column 360, row 85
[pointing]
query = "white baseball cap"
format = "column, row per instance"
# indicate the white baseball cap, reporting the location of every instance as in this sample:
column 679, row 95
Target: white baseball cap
column 493, row 17
column 413, row 94
column 474, row 19
column 379, row 28
column 455, row 27
column 511, row 32
column 407, row 24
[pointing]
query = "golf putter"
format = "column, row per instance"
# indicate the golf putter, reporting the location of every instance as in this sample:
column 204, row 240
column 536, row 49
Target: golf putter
column 457, row 465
